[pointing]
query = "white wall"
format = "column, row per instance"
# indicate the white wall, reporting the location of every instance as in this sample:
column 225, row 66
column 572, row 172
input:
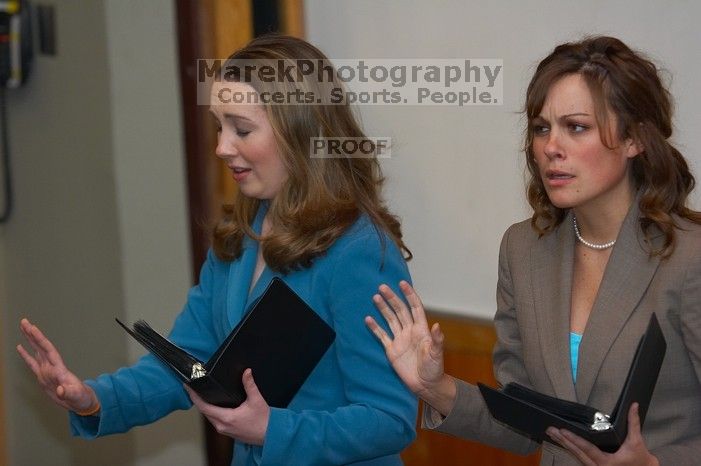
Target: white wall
column 456, row 176
column 99, row 229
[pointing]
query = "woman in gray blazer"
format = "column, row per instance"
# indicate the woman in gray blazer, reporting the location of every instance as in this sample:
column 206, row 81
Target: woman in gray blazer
column 611, row 240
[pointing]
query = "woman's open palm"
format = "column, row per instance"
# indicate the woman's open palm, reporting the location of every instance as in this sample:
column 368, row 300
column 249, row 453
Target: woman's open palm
column 59, row 383
column 415, row 352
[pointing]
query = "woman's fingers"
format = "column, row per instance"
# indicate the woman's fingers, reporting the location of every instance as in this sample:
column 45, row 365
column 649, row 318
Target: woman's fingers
column 417, row 308
column 249, row 385
column 27, row 329
column 437, row 338
column 634, row 433
column 397, row 305
column 191, row 393
column 395, row 310
column 47, row 348
column 195, row 398
column 215, row 414
column 29, row 360
column 62, row 386
column 387, row 313
column 379, row 332
column 576, row 445
column 44, row 350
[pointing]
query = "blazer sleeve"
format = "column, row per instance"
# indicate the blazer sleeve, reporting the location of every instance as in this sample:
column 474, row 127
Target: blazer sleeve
column 470, row 417
column 147, row 391
column 380, row 416
column 688, row 451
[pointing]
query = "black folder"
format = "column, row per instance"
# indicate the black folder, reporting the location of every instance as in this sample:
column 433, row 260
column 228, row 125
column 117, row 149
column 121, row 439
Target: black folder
column 281, row 339
column 531, row 412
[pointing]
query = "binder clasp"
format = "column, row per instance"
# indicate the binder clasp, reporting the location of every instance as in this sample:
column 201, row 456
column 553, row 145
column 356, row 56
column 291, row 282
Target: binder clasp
column 198, row 371
column 601, row 422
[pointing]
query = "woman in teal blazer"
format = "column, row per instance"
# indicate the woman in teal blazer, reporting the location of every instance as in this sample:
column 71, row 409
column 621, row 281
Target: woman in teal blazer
column 317, row 223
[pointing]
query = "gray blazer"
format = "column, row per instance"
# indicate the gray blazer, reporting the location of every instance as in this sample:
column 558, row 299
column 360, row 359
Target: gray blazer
column 532, row 324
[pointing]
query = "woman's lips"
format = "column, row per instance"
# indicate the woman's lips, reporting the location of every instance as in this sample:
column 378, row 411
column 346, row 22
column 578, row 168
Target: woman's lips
column 557, row 178
column 239, row 173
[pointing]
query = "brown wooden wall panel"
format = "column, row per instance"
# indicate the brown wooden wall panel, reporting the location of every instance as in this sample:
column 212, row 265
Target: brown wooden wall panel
column 468, row 356
column 292, row 17
column 232, row 29
column 207, row 29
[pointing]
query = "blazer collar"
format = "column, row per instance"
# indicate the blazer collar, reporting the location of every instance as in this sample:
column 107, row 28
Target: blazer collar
column 552, row 259
column 628, row 273
column 239, row 299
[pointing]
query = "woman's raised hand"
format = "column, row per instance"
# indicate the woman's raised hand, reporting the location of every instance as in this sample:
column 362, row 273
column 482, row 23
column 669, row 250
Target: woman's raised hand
column 59, row 383
column 415, row 352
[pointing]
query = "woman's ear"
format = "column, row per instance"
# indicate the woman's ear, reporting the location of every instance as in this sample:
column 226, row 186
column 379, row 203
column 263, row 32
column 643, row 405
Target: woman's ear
column 633, row 144
column 633, row 147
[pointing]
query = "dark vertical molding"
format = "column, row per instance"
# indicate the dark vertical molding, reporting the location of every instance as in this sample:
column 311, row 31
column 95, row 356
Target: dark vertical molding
column 266, row 16
column 190, row 45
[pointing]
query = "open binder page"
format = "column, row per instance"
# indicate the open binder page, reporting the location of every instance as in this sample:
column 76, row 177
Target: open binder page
column 171, row 355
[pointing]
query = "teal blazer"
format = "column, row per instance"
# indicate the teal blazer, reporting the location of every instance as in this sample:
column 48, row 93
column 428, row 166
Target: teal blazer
column 353, row 409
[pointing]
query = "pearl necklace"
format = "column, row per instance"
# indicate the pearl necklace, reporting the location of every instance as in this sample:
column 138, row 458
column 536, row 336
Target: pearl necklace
column 587, row 243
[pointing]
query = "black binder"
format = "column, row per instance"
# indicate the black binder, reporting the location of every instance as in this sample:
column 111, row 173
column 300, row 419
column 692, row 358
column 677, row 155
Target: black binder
column 281, row 339
column 531, row 412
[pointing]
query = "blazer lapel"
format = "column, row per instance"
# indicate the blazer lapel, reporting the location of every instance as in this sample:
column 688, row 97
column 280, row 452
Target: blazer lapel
column 241, row 273
column 628, row 273
column 263, row 281
column 552, row 258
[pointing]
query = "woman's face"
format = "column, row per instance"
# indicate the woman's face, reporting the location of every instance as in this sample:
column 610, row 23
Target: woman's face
column 246, row 142
column 577, row 169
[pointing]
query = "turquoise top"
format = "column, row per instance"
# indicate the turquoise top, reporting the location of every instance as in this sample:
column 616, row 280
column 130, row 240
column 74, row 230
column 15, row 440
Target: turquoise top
column 575, row 340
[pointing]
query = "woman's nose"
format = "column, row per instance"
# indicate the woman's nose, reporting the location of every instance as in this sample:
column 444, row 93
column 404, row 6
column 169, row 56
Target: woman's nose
column 225, row 146
column 553, row 148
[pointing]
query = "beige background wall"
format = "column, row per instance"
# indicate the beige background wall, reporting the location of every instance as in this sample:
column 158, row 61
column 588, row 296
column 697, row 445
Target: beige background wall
column 100, row 228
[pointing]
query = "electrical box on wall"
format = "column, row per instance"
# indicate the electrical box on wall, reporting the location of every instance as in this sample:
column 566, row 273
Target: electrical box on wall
column 16, row 53
column 15, row 42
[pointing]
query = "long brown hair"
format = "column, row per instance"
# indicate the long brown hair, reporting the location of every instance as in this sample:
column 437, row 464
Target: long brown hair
column 627, row 84
column 322, row 196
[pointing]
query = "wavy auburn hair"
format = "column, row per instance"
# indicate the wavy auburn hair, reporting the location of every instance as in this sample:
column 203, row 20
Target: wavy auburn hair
column 322, row 196
column 627, row 84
